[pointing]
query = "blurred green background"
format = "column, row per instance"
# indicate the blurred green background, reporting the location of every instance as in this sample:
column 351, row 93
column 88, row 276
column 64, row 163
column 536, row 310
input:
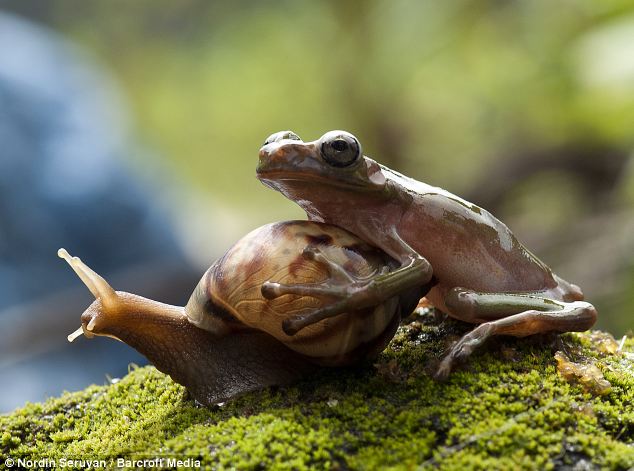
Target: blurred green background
column 526, row 108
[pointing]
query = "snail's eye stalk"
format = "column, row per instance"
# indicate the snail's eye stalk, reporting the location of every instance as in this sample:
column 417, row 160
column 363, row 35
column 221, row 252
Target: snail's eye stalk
column 99, row 287
column 94, row 282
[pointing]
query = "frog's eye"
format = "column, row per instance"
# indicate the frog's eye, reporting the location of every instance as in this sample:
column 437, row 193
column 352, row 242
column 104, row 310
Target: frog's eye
column 340, row 148
column 279, row 136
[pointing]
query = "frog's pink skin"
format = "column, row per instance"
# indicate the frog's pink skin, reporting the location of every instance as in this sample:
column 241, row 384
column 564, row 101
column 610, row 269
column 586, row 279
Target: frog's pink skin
column 483, row 274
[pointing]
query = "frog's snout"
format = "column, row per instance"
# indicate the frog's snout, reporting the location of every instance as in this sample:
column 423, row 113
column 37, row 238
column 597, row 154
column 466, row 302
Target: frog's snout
column 265, row 156
column 273, row 156
column 284, row 151
column 274, row 148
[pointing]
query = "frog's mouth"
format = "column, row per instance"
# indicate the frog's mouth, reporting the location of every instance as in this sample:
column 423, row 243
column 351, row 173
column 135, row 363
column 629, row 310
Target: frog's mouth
column 277, row 179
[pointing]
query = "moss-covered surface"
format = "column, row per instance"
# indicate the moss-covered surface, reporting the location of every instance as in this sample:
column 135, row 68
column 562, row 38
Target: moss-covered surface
column 506, row 408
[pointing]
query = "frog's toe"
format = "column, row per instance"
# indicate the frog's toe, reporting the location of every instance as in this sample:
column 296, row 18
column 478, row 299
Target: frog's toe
column 272, row 290
column 336, row 271
column 310, row 252
column 294, row 324
column 443, row 371
column 456, row 353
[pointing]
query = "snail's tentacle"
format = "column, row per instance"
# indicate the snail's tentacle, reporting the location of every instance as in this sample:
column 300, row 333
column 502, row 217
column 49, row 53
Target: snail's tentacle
column 93, row 281
column 75, row 334
column 99, row 287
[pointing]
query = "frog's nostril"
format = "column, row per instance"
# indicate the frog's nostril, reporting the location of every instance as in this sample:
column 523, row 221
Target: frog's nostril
column 291, row 135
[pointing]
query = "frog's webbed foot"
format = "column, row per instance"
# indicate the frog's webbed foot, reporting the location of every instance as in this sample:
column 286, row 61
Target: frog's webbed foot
column 339, row 284
column 346, row 293
column 341, row 287
column 518, row 315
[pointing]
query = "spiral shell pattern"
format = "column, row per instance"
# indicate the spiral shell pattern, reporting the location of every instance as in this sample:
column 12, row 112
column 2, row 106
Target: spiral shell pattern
column 229, row 298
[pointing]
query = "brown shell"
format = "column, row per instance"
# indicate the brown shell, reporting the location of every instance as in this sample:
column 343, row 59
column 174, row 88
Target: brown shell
column 229, row 297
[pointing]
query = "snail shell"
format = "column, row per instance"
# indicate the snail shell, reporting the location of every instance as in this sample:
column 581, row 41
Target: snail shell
column 229, row 295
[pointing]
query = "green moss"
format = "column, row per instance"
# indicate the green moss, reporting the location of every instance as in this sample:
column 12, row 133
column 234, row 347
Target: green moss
column 506, row 408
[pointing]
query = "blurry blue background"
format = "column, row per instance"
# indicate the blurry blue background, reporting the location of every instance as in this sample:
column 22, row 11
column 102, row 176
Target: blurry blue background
column 63, row 182
column 130, row 133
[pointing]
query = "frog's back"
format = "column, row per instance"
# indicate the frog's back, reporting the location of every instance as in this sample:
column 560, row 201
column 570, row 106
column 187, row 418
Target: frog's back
column 468, row 247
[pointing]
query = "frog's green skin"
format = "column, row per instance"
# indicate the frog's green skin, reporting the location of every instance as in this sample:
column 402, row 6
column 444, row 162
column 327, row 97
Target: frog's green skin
column 479, row 271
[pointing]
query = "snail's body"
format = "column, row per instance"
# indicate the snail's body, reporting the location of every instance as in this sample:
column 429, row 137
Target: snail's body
column 212, row 367
column 228, row 339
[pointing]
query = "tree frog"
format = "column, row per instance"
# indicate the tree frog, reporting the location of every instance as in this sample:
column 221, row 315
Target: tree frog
column 470, row 264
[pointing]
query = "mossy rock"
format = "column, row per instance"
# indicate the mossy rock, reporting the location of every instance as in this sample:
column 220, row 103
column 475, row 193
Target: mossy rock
column 506, row 408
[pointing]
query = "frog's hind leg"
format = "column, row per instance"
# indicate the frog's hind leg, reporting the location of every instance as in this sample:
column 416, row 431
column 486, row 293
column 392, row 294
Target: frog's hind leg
column 513, row 314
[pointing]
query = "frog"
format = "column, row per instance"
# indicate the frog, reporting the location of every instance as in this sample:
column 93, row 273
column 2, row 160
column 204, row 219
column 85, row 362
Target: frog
column 467, row 262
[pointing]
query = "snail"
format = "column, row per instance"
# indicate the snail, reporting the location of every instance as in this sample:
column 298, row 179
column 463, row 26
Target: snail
column 229, row 338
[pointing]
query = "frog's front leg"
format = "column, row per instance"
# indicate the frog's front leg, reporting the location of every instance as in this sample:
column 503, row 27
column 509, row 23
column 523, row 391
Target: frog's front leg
column 516, row 314
column 350, row 293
